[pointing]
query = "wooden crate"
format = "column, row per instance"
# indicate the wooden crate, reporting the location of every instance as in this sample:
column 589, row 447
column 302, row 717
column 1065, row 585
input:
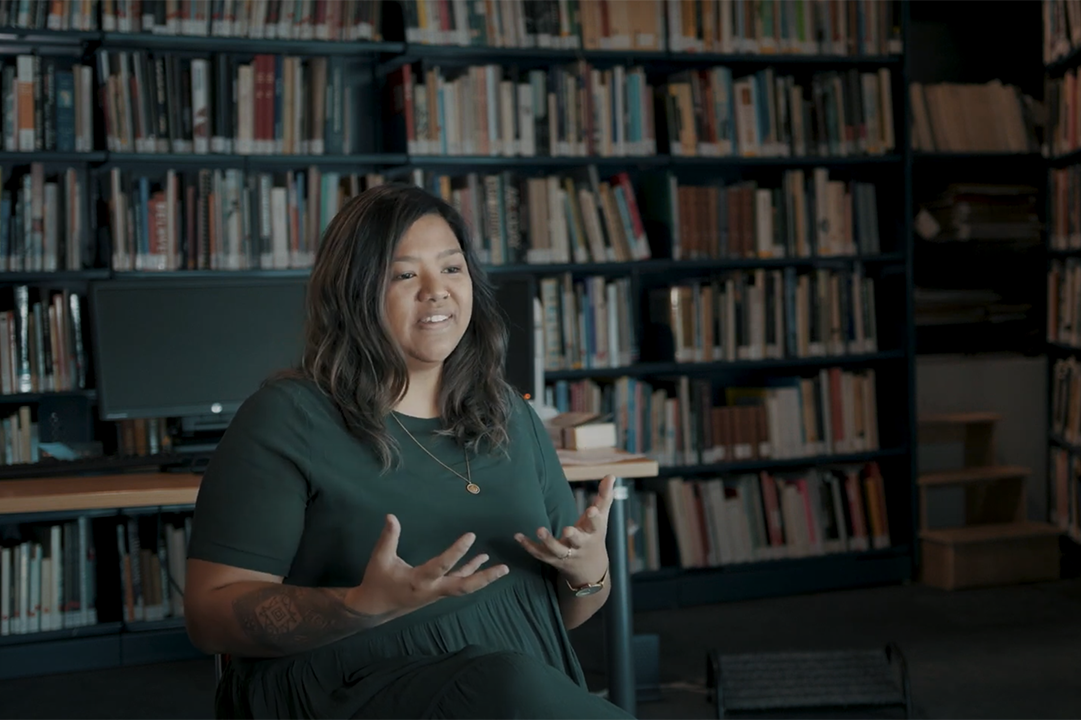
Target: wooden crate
column 986, row 555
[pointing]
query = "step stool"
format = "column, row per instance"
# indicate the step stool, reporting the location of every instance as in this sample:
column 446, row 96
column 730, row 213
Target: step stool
column 997, row 544
column 822, row 683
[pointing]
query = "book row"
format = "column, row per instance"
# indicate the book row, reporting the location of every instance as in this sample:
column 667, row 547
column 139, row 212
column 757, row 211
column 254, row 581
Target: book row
column 587, row 322
column 48, row 104
column 711, row 113
column 161, row 102
column 1064, row 302
column 755, row 517
column 833, row 27
column 1061, row 29
column 43, row 225
column 41, row 341
column 47, row 577
column 222, row 219
column 1064, row 470
column 20, row 441
column 143, row 437
column 569, row 110
column 581, row 217
column 41, row 15
column 692, row 421
column 56, row 576
column 812, row 27
column 809, row 214
column 1064, row 219
column 581, row 110
column 952, row 118
column 152, row 559
column 766, row 314
column 1066, row 400
column 572, row 217
column 343, row 20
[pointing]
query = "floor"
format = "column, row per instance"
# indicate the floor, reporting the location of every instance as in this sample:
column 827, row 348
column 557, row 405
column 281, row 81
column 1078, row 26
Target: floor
column 1010, row 652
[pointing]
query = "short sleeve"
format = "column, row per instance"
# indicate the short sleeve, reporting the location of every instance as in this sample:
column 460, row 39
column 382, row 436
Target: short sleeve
column 250, row 509
column 558, row 497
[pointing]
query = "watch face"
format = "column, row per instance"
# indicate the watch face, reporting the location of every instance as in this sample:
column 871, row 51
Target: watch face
column 588, row 590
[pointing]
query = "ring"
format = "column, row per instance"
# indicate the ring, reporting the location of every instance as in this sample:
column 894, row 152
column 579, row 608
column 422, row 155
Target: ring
column 569, row 551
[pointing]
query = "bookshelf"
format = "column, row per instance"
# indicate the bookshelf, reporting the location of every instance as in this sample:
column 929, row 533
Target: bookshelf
column 1063, row 346
column 647, row 152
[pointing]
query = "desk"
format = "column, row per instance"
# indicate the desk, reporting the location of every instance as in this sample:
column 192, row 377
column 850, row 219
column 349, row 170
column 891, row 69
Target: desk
column 129, row 490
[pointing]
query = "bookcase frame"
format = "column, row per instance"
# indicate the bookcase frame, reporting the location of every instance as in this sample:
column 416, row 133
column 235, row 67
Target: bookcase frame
column 122, row 643
column 1069, row 543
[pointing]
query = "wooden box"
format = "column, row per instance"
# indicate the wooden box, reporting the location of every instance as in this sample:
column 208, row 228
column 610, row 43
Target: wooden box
column 986, row 555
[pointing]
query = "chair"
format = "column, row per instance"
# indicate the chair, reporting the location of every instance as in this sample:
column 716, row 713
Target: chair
column 221, row 661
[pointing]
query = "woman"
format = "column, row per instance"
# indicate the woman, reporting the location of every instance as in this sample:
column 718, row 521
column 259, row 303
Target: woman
column 329, row 546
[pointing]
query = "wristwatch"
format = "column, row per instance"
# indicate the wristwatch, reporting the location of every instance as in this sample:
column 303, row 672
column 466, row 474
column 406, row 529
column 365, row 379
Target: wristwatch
column 589, row 588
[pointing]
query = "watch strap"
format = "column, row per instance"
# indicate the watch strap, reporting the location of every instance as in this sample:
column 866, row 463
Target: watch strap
column 599, row 583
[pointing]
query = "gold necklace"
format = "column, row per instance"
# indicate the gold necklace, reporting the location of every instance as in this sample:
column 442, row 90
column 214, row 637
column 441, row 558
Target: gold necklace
column 471, row 486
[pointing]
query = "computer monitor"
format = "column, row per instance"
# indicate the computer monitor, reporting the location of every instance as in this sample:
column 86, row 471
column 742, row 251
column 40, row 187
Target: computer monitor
column 198, row 347
column 514, row 295
column 191, row 347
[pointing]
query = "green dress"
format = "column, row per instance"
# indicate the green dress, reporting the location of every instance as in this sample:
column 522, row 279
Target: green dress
column 290, row 492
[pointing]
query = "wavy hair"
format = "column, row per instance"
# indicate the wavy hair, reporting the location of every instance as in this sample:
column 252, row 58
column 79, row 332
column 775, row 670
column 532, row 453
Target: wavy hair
column 349, row 351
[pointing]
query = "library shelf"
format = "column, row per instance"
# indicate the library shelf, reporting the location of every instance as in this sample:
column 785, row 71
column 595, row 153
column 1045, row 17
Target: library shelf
column 1064, row 63
column 29, row 277
column 251, row 161
column 42, row 36
column 672, row 369
column 1071, row 158
column 1063, row 348
column 1058, row 440
column 664, row 60
column 105, row 645
column 106, row 628
column 780, row 59
column 779, row 464
column 977, row 157
column 242, row 45
column 457, row 162
column 50, row 156
column 477, row 54
column 673, row 588
column 380, row 160
column 170, row 623
column 689, row 161
column 33, row 397
column 671, row 266
column 122, row 275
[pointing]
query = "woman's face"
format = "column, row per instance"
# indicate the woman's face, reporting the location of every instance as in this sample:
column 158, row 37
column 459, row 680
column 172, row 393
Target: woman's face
column 429, row 297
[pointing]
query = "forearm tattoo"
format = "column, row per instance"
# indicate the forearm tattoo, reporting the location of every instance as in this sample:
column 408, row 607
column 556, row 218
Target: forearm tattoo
column 287, row 619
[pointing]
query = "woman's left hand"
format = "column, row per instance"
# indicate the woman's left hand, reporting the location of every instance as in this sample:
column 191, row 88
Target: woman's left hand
column 579, row 553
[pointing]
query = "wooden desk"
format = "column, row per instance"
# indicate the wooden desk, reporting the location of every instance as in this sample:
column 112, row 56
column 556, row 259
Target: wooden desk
column 94, row 492
column 131, row 490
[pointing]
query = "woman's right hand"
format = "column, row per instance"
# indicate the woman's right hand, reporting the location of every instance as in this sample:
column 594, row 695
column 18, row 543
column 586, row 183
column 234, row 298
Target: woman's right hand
column 393, row 587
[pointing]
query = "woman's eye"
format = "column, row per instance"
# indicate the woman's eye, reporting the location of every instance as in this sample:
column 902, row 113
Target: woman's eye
column 404, row 276
column 453, row 269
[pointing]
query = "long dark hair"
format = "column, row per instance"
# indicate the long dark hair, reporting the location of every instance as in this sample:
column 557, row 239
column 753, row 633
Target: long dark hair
column 349, row 351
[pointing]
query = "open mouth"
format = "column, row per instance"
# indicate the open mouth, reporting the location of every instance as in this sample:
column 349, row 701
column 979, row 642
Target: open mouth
column 435, row 320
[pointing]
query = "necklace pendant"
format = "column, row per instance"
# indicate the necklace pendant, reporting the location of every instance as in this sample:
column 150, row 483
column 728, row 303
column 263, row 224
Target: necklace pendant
column 473, row 488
